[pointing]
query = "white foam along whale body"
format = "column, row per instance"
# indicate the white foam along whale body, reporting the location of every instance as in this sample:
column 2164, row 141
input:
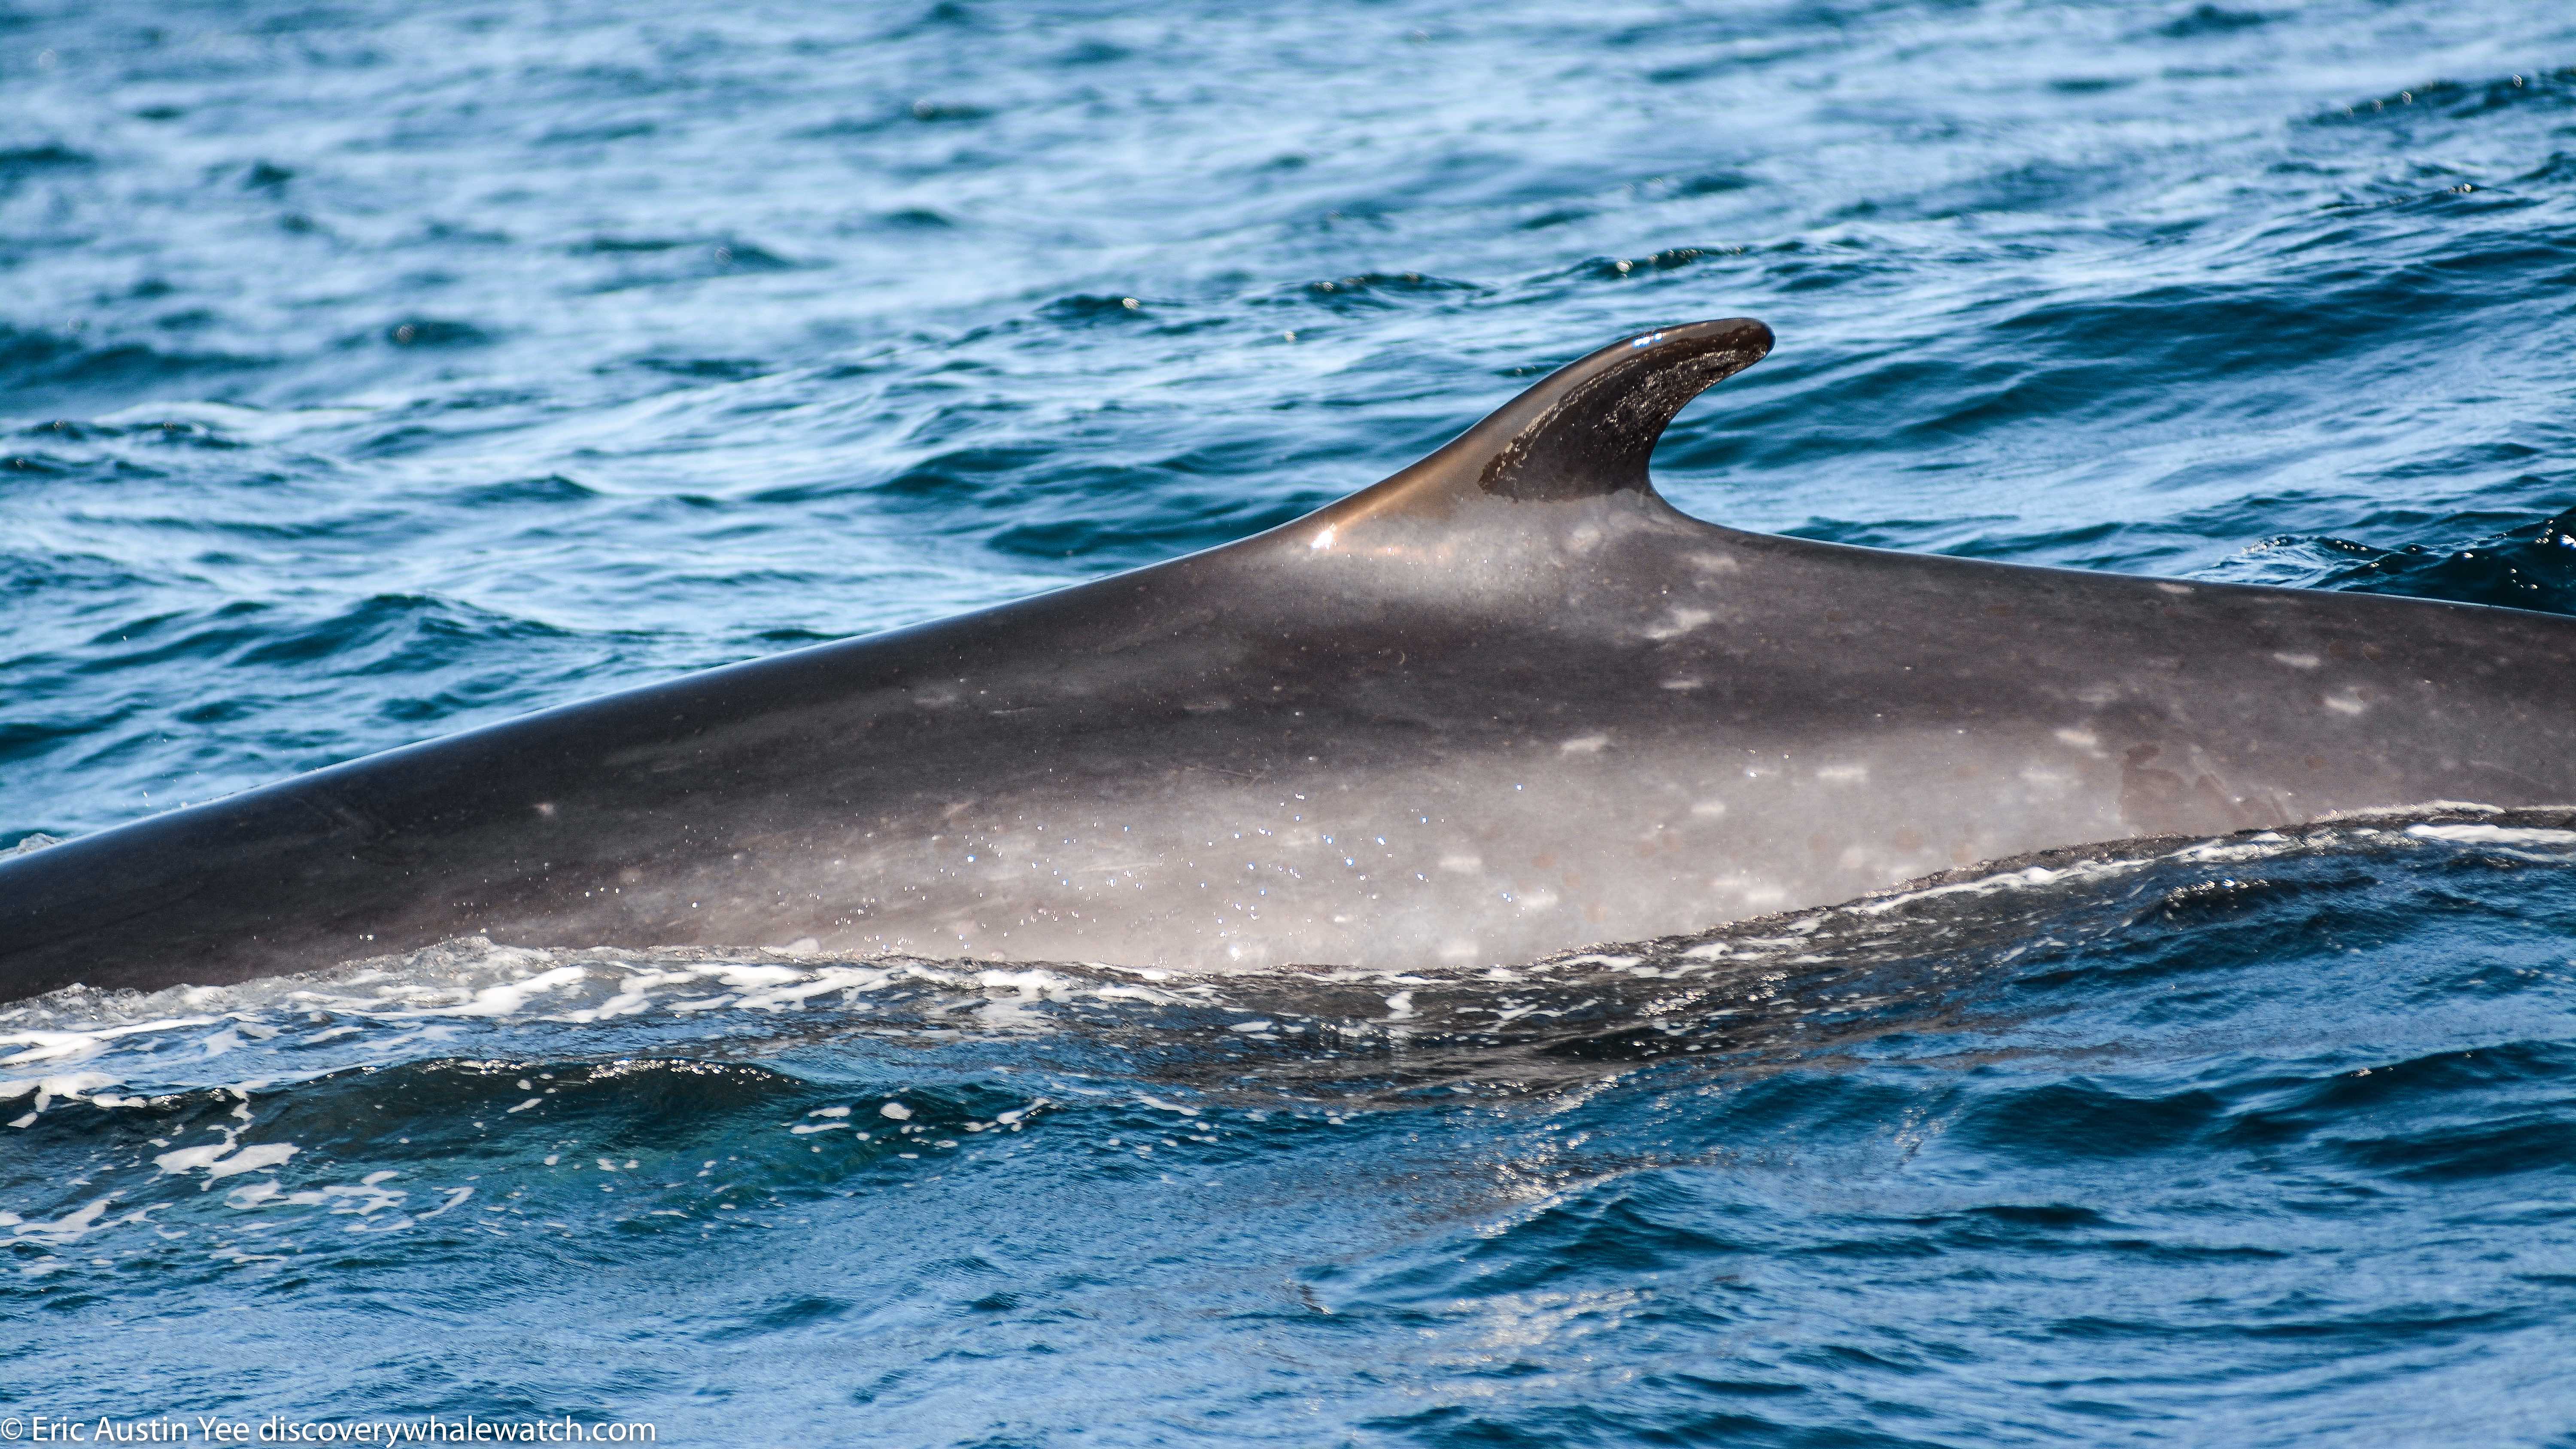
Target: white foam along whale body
column 1504, row 702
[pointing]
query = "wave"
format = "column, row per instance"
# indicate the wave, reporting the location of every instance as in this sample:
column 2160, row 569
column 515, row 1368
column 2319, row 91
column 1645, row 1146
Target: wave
column 43, row 371
column 2527, row 566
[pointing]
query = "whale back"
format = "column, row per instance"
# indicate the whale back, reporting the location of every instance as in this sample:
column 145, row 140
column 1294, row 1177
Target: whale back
column 1504, row 702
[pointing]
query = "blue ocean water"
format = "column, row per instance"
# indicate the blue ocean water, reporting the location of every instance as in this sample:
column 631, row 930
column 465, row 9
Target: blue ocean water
column 369, row 375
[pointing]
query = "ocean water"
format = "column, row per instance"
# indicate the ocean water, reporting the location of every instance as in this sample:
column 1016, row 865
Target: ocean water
column 368, row 375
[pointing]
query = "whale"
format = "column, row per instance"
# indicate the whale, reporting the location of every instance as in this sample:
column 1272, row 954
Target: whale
column 1506, row 702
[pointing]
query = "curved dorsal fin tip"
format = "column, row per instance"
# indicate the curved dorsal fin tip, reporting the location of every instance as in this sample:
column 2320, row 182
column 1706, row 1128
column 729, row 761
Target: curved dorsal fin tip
column 1588, row 429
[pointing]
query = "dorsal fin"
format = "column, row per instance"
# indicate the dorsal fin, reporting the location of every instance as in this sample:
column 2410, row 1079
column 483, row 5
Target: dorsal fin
column 1585, row 430
column 1589, row 427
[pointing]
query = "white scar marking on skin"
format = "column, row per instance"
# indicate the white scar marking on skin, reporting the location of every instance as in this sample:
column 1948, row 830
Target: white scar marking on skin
column 1683, row 621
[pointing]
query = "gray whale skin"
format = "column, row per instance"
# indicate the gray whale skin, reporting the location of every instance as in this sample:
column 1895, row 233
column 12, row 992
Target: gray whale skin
column 1505, row 702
